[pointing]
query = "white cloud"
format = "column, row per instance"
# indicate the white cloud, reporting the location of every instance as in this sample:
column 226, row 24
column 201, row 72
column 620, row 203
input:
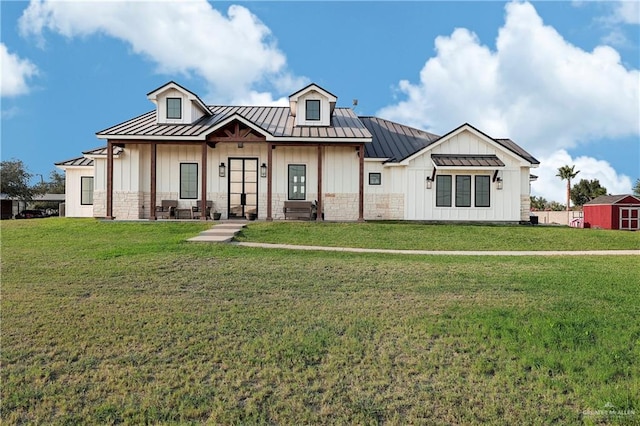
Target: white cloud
column 15, row 73
column 552, row 188
column 233, row 53
column 535, row 88
column 627, row 12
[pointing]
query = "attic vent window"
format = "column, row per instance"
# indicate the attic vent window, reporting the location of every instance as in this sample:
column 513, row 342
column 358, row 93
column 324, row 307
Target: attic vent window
column 174, row 108
column 313, row 110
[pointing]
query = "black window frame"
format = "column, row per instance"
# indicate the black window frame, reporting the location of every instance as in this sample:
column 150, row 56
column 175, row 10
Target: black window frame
column 485, row 187
column 307, row 109
column 463, row 195
column 169, row 110
column 444, row 190
column 373, row 181
column 84, row 190
column 182, row 191
column 291, row 185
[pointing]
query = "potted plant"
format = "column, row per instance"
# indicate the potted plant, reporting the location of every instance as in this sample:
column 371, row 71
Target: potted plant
column 217, row 215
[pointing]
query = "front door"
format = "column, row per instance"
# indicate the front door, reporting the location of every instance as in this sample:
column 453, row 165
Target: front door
column 243, row 187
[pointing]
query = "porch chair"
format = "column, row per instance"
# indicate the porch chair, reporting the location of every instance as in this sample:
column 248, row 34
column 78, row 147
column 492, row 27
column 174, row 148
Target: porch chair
column 196, row 211
column 167, row 209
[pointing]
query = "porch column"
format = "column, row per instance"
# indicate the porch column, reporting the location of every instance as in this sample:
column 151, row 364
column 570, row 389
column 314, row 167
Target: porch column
column 361, row 185
column 109, row 180
column 152, row 202
column 269, row 177
column 203, row 197
column 320, row 206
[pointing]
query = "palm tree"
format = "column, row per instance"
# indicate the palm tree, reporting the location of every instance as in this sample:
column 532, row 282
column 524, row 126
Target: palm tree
column 568, row 173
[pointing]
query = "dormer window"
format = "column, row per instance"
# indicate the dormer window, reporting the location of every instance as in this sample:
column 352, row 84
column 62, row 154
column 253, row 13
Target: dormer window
column 174, row 108
column 313, row 110
column 312, row 106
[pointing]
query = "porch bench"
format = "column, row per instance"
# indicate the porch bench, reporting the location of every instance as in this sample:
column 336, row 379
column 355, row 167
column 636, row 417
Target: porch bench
column 298, row 210
column 167, row 209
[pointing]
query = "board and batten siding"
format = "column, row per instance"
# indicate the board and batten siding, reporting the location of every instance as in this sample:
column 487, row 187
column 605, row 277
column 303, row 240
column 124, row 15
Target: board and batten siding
column 505, row 204
column 73, row 193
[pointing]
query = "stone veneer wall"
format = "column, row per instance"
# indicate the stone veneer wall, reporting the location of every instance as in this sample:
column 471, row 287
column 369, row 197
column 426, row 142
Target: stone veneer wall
column 340, row 206
column 137, row 205
column 384, row 206
column 99, row 203
column 525, row 207
column 128, row 205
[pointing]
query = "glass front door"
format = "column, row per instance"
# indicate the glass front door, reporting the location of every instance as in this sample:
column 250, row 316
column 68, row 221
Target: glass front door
column 243, row 187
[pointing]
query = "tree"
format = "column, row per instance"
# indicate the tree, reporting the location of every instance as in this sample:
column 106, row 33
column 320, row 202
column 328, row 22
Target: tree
column 586, row 190
column 14, row 180
column 567, row 173
column 54, row 186
column 538, row 203
column 636, row 188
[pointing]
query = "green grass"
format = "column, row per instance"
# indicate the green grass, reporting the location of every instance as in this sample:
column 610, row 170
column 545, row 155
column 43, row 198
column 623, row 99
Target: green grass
column 416, row 236
column 106, row 323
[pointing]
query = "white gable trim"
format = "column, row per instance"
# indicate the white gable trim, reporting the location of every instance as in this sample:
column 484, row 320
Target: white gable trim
column 153, row 96
column 475, row 132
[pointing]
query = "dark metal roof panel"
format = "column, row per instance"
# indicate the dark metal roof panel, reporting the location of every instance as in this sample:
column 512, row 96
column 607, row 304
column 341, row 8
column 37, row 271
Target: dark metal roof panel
column 514, row 147
column 394, row 141
column 80, row 161
column 103, row 151
column 274, row 120
column 457, row 160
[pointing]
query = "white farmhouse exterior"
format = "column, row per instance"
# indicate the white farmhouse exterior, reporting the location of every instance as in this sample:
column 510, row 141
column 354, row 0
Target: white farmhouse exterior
column 248, row 159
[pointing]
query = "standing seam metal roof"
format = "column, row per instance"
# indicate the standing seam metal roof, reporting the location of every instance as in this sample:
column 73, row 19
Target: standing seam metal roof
column 394, row 141
column 274, row 120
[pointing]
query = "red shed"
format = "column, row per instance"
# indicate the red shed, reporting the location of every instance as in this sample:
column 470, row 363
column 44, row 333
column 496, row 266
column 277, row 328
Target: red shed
column 613, row 212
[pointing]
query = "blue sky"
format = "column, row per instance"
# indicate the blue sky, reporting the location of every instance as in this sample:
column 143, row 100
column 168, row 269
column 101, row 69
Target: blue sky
column 560, row 78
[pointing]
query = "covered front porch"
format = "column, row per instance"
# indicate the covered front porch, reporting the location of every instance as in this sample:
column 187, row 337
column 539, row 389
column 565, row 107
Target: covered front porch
column 238, row 173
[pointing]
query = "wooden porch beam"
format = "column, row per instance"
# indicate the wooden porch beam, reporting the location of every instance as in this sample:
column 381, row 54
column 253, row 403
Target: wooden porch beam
column 109, row 180
column 152, row 207
column 320, row 206
column 269, row 184
column 203, row 197
column 361, row 184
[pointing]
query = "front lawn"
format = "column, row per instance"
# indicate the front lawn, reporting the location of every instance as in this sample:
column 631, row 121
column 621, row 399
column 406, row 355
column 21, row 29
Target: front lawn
column 106, row 323
column 417, row 236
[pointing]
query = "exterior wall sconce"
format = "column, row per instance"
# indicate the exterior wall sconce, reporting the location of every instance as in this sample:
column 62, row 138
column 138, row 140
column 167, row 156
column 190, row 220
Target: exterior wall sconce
column 240, row 145
column 429, row 182
column 263, row 170
column 222, row 170
column 499, row 182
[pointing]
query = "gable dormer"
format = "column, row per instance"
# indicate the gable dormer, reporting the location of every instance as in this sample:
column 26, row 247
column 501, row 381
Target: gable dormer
column 177, row 105
column 312, row 106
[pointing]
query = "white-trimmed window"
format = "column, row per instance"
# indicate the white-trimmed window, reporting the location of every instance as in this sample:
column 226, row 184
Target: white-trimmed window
column 443, row 190
column 86, row 190
column 483, row 191
column 174, row 108
column 189, row 180
column 297, row 182
column 463, row 191
column 313, row 110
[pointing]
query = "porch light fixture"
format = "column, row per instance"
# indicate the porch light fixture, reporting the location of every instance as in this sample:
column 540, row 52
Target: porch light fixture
column 429, row 182
column 222, row 169
column 263, row 170
column 499, row 182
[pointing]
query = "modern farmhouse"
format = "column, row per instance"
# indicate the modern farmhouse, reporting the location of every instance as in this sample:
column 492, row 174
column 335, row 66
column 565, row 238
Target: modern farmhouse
column 311, row 158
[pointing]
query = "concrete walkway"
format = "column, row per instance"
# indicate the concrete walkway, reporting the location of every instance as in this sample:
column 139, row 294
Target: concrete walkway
column 220, row 233
column 447, row 253
column 224, row 232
